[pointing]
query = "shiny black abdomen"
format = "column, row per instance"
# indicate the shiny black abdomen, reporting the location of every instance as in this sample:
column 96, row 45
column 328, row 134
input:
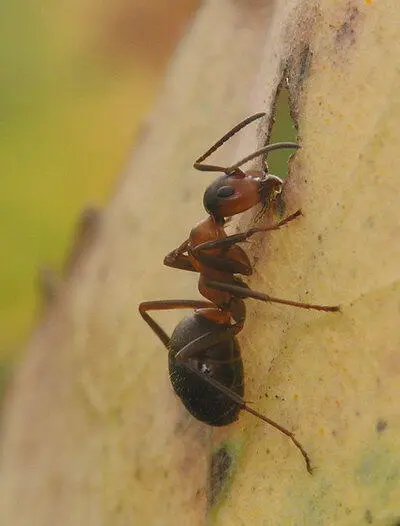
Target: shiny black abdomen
column 222, row 362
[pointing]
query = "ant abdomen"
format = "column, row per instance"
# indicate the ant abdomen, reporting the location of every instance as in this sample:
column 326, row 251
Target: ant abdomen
column 221, row 362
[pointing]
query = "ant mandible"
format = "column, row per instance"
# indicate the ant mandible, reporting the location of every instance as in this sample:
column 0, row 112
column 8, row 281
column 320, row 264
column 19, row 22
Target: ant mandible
column 205, row 365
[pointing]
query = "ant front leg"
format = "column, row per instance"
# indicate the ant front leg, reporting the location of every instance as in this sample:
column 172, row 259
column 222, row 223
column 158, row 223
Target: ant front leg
column 178, row 259
column 233, row 259
column 229, row 241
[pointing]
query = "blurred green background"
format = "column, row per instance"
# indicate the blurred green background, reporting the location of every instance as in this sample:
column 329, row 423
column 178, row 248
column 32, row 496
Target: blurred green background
column 76, row 79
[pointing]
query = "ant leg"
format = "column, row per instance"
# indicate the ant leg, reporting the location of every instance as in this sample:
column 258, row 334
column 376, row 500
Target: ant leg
column 204, row 342
column 200, row 344
column 233, row 259
column 226, row 262
column 178, row 259
column 196, row 347
column 167, row 305
column 243, row 292
column 229, row 241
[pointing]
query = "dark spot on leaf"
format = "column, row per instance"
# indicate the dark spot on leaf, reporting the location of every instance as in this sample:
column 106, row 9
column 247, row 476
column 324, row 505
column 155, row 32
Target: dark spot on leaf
column 370, row 222
column 346, row 33
column 368, row 517
column 304, row 64
column 296, row 73
column 381, row 425
column 221, row 463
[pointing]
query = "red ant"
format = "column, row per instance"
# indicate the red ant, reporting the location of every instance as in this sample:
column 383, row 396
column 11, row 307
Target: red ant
column 205, row 365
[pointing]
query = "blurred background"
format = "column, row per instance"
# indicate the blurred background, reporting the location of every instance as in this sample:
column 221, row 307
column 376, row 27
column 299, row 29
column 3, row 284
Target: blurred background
column 76, row 79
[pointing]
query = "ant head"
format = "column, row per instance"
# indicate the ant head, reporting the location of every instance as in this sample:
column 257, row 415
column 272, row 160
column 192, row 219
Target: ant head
column 237, row 192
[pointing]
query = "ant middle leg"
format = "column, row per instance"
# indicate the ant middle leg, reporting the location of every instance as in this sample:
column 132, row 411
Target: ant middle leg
column 244, row 292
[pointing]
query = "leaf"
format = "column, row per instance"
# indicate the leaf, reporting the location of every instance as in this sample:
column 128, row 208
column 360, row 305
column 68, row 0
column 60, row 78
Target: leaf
column 92, row 433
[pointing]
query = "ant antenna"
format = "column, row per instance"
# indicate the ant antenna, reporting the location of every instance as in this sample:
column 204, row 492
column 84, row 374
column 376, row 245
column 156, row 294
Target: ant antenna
column 257, row 153
column 223, row 139
column 264, row 149
column 198, row 165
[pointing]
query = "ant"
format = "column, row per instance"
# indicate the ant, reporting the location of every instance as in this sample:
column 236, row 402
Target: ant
column 205, row 364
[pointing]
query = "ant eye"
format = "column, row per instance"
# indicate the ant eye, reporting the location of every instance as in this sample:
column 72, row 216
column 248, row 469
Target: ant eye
column 225, row 191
